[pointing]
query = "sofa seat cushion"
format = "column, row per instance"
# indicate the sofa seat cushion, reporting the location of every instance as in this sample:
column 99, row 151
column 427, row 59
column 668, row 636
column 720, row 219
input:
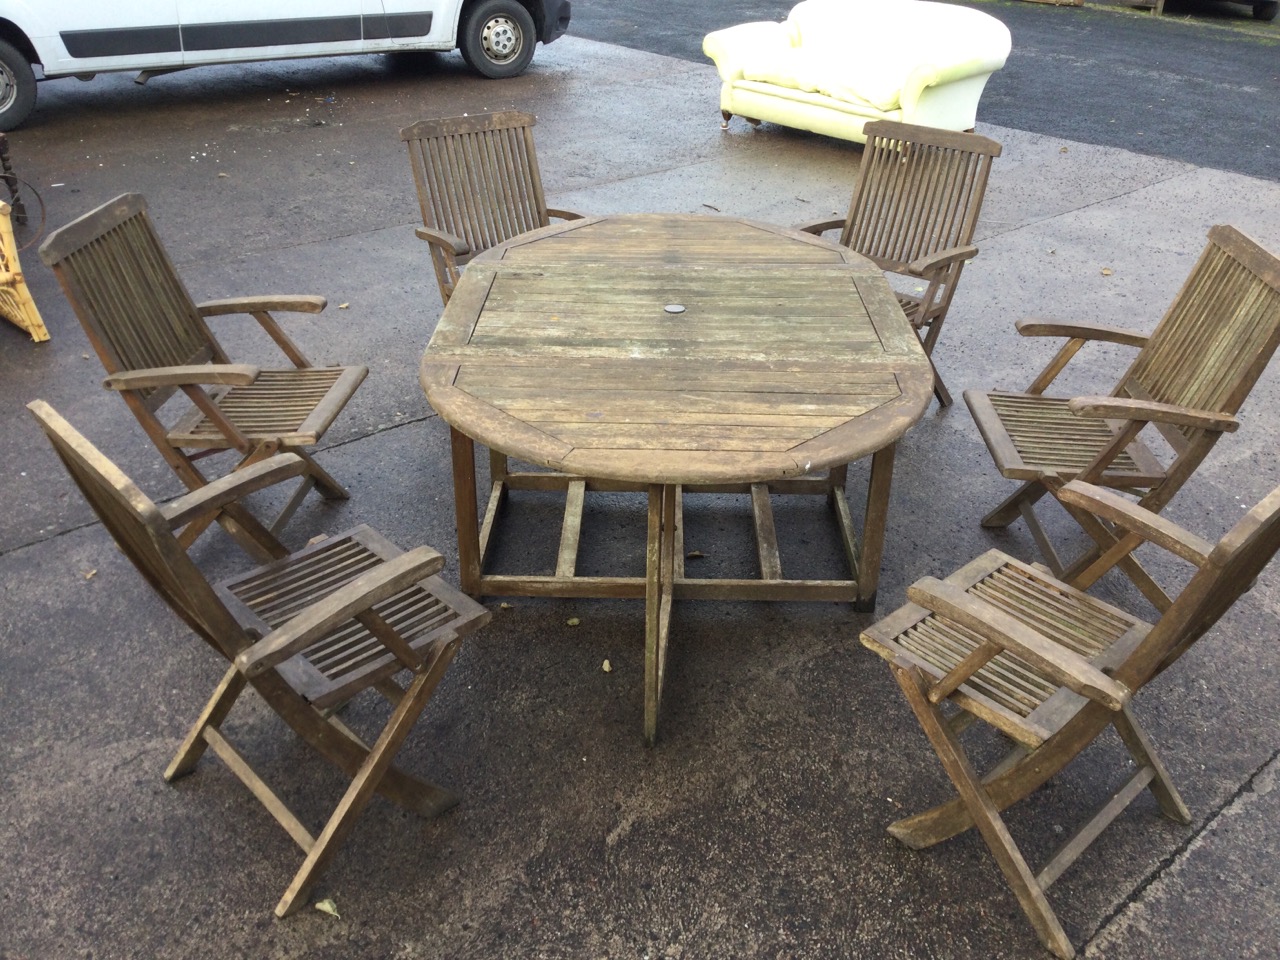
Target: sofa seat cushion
column 875, row 79
column 777, row 92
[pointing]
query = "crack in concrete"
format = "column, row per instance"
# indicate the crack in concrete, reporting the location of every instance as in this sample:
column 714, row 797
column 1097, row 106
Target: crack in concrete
column 1161, row 869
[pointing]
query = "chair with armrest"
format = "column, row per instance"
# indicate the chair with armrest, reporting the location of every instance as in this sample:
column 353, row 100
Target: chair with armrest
column 1052, row 667
column 1189, row 379
column 914, row 210
column 154, row 341
column 308, row 632
column 478, row 185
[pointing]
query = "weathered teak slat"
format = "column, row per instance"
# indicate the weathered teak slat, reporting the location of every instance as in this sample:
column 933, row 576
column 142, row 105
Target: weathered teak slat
column 16, row 303
column 154, row 341
column 478, row 184
column 1052, row 667
column 1187, row 381
column 914, row 210
column 308, row 632
column 781, row 356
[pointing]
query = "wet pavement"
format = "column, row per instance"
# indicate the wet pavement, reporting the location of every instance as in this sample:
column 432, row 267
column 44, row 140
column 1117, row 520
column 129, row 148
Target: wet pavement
column 755, row 828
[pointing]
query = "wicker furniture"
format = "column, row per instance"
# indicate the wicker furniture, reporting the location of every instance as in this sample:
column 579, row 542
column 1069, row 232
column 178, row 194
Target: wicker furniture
column 16, row 304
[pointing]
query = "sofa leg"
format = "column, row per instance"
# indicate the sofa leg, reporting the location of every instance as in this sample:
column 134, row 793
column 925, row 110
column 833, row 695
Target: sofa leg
column 724, row 124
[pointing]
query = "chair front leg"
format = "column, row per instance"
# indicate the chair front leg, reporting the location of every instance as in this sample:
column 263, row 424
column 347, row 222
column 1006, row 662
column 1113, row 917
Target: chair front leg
column 376, row 764
column 984, row 813
column 214, row 713
column 1011, row 508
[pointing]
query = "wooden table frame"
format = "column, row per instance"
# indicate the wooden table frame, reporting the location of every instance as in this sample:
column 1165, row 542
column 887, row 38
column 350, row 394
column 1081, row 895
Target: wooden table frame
column 665, row 578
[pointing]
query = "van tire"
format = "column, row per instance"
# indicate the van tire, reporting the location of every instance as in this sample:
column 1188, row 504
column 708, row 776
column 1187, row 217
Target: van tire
column 17, row 87
column 498, row 38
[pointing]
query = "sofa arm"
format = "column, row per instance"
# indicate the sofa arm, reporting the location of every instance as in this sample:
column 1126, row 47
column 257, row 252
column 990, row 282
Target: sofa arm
column 734, row 48
column 928, row 75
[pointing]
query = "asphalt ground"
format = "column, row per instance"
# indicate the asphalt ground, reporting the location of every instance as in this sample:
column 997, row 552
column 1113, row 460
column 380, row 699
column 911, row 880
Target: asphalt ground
column 1199, row 84
column 756, row 827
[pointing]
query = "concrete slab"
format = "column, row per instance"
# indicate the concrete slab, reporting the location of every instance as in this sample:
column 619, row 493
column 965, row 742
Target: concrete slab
column 755, row 828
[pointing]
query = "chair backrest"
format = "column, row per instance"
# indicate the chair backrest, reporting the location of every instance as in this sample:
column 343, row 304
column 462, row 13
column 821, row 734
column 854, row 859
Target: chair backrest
column 919, row 191
column 1228, row 573
column 143, row 535
column 131, row 302
column 1216, row 338
column 477, row 177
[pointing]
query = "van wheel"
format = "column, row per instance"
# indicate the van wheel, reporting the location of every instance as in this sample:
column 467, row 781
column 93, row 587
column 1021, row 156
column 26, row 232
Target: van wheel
column 498, row 38
column 17, row 87
column 1266, row 10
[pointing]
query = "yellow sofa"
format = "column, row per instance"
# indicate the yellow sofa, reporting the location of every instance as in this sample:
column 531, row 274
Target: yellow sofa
column 833, row 65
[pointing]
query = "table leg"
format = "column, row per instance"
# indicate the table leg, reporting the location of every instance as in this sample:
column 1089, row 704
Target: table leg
column 659, row 579
column 873, row 525
column 466, row 511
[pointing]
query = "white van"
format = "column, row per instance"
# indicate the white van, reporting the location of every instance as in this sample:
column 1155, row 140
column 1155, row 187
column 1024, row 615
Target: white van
column 84, row 37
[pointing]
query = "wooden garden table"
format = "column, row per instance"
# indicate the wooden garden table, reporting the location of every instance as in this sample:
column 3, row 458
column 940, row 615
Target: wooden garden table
column 674, row 354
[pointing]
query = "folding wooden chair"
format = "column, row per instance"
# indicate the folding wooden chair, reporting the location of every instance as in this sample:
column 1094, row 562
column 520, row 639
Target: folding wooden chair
column 1189, row 379
column 153, row 341
column 307, row 632
column 1052, row 667
column 16, row 304
column 914, row 211
column 478, row 185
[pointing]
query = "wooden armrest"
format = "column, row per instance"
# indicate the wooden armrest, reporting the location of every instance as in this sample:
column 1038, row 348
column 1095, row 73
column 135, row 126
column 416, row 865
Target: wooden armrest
column 291, row 304
column 1076, row 334
column 1111, row 506
column 819, row 227
column 1032, row 327
column 260, row 309
column 1059, row 664
column 563, row 214
column 439, row 238
column 342, row 605
column 943, row 258
column 1126, row 408
column 202, row 374
column 232, row 487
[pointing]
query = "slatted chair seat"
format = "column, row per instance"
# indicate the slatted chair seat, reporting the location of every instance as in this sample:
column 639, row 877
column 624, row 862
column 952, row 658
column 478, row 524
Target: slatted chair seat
column 1033, row 434
column 154, row 341
column 1188, row 380
column 1011, row 646
column 914, row 211
column 1007, row 691
column 293, row 408
column 308, row 631
column 351, row 658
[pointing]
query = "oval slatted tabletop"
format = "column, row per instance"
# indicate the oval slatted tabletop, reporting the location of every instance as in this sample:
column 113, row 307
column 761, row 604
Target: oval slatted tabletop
column 675, row 354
